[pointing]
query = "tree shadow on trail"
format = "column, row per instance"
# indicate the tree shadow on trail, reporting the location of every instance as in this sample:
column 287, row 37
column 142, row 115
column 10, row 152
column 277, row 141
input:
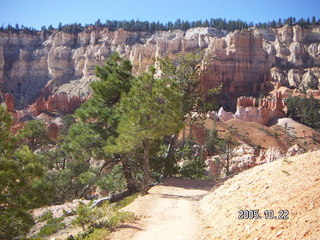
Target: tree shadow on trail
column 188, row 183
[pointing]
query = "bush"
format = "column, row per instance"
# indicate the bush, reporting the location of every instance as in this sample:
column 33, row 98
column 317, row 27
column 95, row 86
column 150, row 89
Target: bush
column 99, row 230
column 118, row 218
column 96, row 234
column 193, row 169
column 304, row 110
column 192, row 155
column 52, row 226
column 86, row 216
column 47, row 215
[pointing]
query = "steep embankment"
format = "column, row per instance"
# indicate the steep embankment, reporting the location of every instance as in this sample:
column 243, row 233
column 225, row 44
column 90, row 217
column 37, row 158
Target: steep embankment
column 244, row 61
column 291, row 184
column 183, row 209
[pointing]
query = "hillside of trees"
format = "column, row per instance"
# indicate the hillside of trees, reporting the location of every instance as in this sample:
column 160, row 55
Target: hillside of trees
column 137, row 25
column 305, row 110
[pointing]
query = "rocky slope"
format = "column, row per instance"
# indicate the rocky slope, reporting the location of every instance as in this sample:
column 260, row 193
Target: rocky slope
column 173, row 209
column 287, row 184
column 244, row 61
column 257, row 143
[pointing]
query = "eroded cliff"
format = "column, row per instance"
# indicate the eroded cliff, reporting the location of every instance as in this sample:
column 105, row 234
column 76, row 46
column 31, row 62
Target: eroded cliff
column 244, row 61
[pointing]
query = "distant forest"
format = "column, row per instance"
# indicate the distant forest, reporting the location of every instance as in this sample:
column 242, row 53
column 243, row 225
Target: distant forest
column 146, row 26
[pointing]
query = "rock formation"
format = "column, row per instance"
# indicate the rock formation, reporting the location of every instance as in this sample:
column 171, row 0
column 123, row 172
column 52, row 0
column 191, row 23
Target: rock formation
column 248, row 111
column 58, row 102
column 9, row 102
column 267, row 110
column 224, row 116
column 244, row 62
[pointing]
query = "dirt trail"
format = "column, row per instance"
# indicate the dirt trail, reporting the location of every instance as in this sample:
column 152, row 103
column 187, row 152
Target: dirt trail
column 169, row 211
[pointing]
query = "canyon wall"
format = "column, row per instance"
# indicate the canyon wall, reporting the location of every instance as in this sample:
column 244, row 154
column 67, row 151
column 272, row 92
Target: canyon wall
column 245, row 62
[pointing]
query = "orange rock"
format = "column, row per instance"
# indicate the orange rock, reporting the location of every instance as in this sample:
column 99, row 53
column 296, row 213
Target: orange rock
column 57, row 102
column 52, row 130
column 267, row 109
column 9, row 102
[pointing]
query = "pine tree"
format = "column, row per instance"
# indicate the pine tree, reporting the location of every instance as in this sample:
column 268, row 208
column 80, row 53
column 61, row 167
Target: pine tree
column 21, row 184
column 150, row 111
column 98, row 116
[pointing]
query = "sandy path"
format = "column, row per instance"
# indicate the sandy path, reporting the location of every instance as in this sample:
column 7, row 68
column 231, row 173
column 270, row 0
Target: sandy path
column 169, row 211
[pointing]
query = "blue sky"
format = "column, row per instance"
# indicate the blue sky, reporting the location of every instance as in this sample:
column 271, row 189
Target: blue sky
column 36, row 13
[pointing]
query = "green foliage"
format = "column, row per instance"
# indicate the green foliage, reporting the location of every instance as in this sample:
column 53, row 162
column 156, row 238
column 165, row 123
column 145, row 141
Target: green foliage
column 71, row 178
column 304, row 110
column 34, row 134
column 95, row 234
column 102, row 230
column 67, row 121
column 161, row 164
column 99, row 222
column 99, row 120
column 21, row 188
column 53, row 225
column 113, row 181
column 21, row 184
column 118, row 218
column 7, row 140
column 150, row 111
column 212, row 142
column 146, row 26
column 126, row 201
column 193, row 166
column 224, row 147
column 86, row 216
column 85, row 135
column 84, row 141
column 185, row 72
column 47, row 215
column 193, row 169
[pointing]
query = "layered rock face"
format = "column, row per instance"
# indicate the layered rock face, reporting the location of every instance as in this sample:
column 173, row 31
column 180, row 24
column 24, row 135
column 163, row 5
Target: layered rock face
column 297, row 57
column 243, row 61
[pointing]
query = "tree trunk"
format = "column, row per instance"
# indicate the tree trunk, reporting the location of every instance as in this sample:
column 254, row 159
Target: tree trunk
column 172, row 144
column 146, row 167
column 131, row 186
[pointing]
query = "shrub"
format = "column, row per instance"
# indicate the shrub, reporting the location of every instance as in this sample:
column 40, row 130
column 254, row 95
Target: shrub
column 47, row 215
column 193, row 169
column 96, row 234
column 51, row 227
column 86, row 216
column 118, row 218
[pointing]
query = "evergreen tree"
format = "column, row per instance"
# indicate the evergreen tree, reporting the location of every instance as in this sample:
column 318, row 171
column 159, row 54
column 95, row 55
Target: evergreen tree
column 98, row 119
column 34, row 134
column 150, row 111
column 60, row 26
column 50, row 28
column 21, row 184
